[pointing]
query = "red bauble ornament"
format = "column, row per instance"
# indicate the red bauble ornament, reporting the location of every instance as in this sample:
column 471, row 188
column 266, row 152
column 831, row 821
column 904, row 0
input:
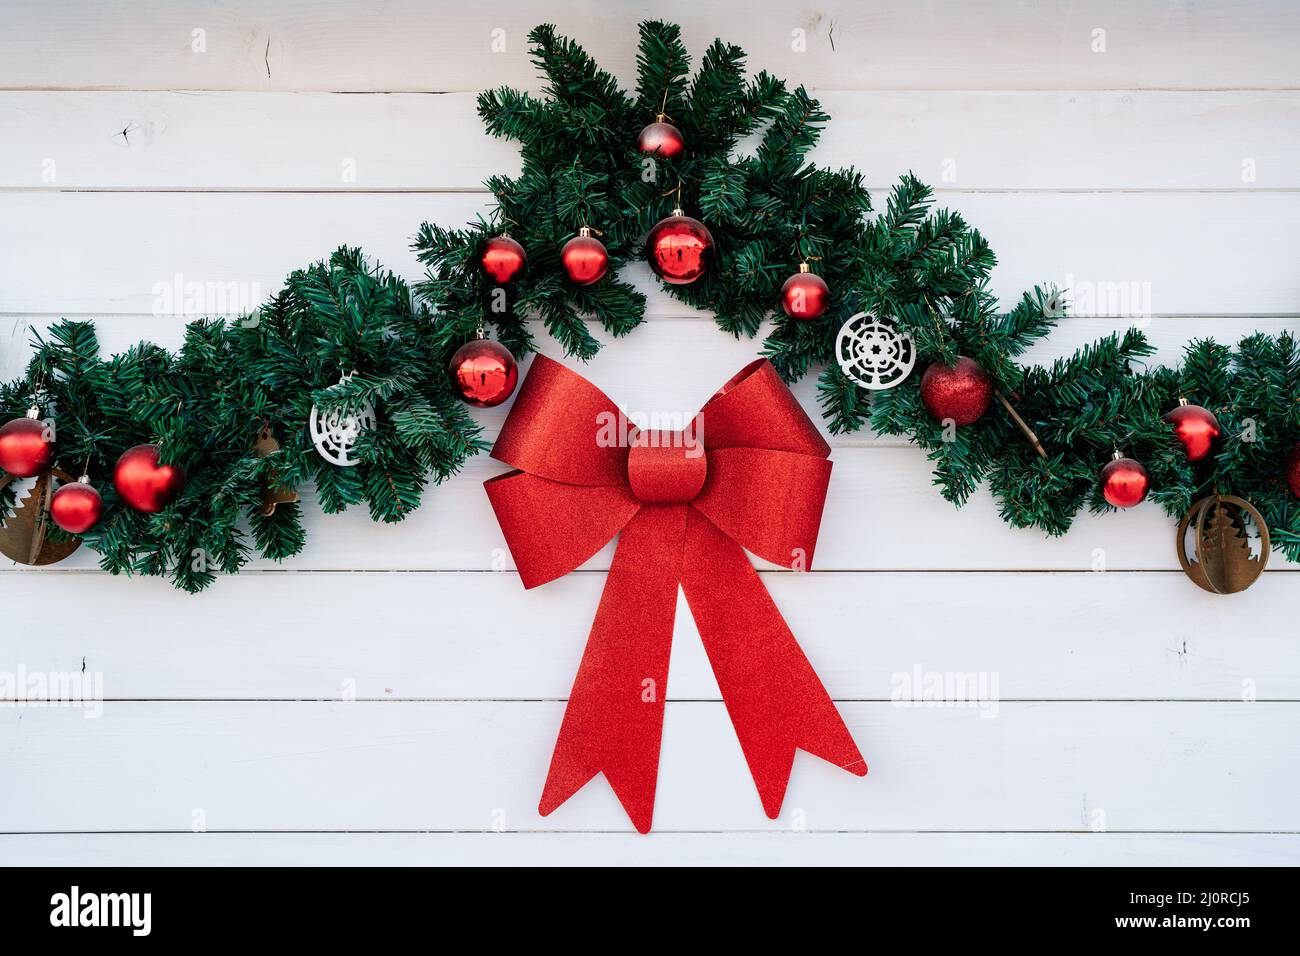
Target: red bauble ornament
column 804, row 295
column 483, row 372
column 679, row 249
column 1293, row 471
column 1196, row 428
column 144, row 484
column 961, row 393
column 76, row 507
column 503, row 259
column 1124, row 482
column 25, row 450
column 585, row 258
column 661, row 138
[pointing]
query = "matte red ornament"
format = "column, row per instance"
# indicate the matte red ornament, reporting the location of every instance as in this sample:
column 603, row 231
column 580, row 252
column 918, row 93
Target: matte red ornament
column 805, row 295
column 1293, row 471
column 679, row 249
column 144, row 484
column 961, row 393
column 1196, row 428
column 685, row 507
column 585, row 258
column 503, row 259
column 77, row 507
column 25, row 447
column 661, row 138
column 483, row 372
column 1124, row 482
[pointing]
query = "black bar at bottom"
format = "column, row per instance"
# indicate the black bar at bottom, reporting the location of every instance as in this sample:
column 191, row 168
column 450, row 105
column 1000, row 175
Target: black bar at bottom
column 484, row 906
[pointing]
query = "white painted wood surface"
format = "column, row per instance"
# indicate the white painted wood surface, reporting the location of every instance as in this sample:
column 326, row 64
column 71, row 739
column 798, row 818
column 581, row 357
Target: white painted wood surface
column 108, row 252
column 435, row 141
column 465, row 765
column 850, row 44
column 355, row 705
column 515, row 848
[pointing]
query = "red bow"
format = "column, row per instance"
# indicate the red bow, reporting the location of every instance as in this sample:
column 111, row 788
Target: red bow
column 752, row 471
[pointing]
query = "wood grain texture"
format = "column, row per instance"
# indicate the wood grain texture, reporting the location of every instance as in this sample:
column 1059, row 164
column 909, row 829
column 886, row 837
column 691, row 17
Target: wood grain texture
column 1074, row 139
column 658, row 849
column 418, row 45
column 471, row 765
column 481, row 636
column 122, row 252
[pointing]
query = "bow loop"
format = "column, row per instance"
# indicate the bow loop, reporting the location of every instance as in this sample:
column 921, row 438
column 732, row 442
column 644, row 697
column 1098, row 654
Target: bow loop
column 755, row 409
column 551, row 527
column 770, row 502
column 557, row 429
column 683, row 511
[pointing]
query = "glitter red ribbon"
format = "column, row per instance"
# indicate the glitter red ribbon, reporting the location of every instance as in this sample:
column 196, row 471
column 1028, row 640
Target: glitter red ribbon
column 752, row 474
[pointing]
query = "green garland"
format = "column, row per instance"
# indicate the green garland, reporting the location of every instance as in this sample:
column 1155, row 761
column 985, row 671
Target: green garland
column 207, row 403
column 745, row 174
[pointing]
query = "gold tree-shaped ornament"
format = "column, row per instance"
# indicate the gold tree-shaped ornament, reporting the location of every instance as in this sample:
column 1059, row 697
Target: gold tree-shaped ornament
column 1221, row 561
column 24, row 533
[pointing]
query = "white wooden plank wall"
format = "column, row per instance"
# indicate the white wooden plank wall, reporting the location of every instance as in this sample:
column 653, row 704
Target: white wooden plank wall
column 354, row 704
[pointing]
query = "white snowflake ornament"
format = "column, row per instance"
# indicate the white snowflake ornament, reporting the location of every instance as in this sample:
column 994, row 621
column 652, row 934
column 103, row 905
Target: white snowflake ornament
column 874, row 352
column 336, row 431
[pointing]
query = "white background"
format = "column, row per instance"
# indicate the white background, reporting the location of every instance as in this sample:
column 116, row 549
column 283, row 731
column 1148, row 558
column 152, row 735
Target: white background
column 1122, row 735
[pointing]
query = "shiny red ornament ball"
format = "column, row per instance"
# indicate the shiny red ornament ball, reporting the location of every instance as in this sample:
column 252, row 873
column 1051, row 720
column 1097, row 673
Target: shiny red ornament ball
column 962, row 392
column 661, row 138
column 143, row 483
column 1293, row 471
column 483, row 373
column 585, row 258
column 1124, row 482
column 77, row 507
column 1196, row 428
column 804, row 295
column 25, row 447
column 679, row 249
column 503, row 259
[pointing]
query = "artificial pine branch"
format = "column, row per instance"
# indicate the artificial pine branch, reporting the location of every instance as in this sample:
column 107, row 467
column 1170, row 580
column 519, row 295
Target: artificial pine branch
column 926, row 269
column 206, row 403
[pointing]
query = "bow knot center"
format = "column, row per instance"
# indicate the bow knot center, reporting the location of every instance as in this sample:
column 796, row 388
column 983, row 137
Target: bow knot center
column 666, row 467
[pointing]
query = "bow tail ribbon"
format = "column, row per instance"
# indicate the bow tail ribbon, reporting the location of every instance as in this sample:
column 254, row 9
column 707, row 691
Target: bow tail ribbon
column 776, row 702
column 614, row 720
